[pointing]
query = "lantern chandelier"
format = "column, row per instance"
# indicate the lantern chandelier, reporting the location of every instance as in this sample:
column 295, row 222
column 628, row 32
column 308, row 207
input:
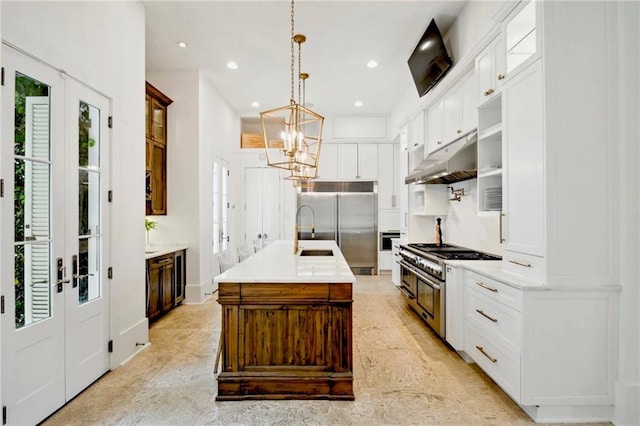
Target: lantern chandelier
column 293, row 133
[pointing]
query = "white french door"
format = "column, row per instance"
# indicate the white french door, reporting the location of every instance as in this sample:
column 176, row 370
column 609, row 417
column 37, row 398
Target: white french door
column 54, row 238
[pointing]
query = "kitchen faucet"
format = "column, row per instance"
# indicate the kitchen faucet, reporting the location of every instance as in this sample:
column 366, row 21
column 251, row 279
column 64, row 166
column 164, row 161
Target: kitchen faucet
column 299, row 228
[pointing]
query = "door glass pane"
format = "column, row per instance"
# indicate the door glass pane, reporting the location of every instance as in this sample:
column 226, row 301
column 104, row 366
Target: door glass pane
column 31, row 201
column 88, row 269
column 88, row 272
column 89, row 202
column 32, row 112
column 89, row 140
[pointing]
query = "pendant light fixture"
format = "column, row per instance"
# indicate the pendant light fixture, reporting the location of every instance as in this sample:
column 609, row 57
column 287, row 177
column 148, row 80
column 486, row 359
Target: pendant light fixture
column 293, row 133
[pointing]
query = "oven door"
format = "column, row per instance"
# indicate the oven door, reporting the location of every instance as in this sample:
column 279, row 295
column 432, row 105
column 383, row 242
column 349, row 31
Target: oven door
column 408, row 281
column 430, row 297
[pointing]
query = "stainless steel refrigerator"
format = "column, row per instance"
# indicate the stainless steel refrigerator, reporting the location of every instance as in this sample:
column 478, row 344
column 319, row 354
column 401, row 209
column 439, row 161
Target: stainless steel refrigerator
column 346, row 212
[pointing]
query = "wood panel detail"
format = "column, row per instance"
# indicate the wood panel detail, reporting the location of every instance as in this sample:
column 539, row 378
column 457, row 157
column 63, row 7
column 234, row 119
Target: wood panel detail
column 286, row 341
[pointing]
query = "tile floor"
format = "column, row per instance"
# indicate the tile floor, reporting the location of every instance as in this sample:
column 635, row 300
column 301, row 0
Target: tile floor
column 404, row 374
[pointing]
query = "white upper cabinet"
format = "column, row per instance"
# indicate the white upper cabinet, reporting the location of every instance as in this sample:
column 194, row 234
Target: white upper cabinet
column 357, row 161
column 367, row 161
column 347, row 161
column 522, row 44
column 328, row 163
column 388, row 176
column 459, row 112
column 434, row 127
column 451, row 127
column 490, row 68
column 416, row 131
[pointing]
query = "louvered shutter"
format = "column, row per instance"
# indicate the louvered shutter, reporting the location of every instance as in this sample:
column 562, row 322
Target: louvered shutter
column 37, row 208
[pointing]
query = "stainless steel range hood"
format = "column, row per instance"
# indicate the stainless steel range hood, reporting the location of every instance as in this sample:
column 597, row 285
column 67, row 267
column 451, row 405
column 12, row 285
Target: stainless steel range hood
column 454, row 162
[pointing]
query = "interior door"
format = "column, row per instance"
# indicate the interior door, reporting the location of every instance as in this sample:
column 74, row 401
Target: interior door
column 42, row 330
column 87, row 299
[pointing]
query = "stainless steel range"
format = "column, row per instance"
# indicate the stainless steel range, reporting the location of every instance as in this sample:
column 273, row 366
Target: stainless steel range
column 423, row 278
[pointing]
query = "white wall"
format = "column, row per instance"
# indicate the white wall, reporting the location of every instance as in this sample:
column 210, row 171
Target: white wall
column 627, row 411
column 102, row 44
column 200, row 125
column 220, row 137
column 180, row 224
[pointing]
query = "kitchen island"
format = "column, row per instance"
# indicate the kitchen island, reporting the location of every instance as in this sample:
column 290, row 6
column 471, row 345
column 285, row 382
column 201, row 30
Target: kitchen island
column 287, row 324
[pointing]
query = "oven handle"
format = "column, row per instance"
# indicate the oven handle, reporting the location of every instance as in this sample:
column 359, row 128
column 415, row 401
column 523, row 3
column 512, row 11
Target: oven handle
column 420, row 275
column 405, row 292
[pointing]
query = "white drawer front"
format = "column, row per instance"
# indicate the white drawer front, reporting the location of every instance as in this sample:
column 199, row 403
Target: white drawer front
column 502, row 323
column 501, row 365
column 495, row 290
column 530, row 267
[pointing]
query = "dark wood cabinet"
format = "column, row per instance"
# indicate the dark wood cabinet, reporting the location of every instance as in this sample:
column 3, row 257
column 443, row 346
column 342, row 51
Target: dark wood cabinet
column 166, row 276
column 156, row 151
column 286, row 341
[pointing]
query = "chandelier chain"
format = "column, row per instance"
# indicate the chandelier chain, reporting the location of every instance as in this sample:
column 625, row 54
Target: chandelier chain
column 292, row 51
column 299, row 71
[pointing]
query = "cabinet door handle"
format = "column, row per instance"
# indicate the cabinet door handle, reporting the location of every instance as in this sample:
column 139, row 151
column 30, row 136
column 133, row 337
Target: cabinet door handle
column 500, row 76
column 502, row 239
column 481, row 312
column 458, row 131
column 483, row 285
column 439, row 142
column 516, row 262
column 481, row 349
column 415, row 144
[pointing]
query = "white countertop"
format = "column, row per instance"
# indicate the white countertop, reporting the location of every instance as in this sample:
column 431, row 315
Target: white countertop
column 276, row 263
column 156, row 250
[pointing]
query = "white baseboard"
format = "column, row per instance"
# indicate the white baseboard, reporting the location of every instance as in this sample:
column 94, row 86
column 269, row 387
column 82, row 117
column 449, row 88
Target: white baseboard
column 125, row 344
column 195, row 294
column 570, row 413
column 627, row 409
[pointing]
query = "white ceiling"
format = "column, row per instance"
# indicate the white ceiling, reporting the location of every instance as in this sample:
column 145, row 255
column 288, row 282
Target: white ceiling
column 342, row 36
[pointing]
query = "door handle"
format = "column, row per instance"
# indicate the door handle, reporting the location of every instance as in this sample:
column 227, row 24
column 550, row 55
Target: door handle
column 264, row 236
column 74, row 269
column 62, row 271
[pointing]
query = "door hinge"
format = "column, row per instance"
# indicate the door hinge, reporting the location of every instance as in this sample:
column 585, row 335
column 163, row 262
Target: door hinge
column 2, row 82
column 110, row 272
column 1, row 187
column 110, row 196
column 4, row 407
column 110, row 346
column 111, row 122
column 1, row 304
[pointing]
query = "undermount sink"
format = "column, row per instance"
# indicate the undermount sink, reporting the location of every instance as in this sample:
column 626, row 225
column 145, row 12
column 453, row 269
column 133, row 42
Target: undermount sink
column 316, row 252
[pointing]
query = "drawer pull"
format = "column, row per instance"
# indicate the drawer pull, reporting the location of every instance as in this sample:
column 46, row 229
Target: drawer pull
column 481, row 349
column 161, row 262
column 483, row 285
column 528, row 265
column 486, row 316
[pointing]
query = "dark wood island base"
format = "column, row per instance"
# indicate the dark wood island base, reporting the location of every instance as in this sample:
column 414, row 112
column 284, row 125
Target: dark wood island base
column 286, row 341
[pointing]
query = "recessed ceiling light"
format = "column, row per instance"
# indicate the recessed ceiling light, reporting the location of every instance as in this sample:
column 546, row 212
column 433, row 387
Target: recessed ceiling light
column 182, row 44
column 372, row 64
column 255, row 104
column 232, row 65
column 358, row 103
